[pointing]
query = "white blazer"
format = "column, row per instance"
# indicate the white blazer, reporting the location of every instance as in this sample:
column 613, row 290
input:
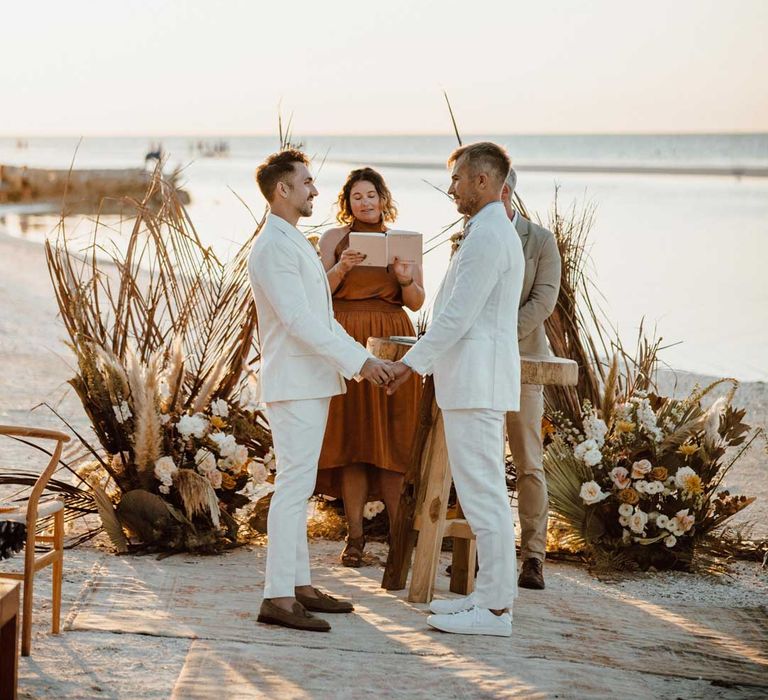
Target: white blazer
column 305, row 353
column 471, row 345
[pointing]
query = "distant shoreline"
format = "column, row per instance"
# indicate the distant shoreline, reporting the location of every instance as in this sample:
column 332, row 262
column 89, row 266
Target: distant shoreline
column 719, row 171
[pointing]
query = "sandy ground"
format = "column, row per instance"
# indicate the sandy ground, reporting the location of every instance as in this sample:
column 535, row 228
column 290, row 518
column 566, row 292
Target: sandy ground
column 84, row 663
column 386, row 650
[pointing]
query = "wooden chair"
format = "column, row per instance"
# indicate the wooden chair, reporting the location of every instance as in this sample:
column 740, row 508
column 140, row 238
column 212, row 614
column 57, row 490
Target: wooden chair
column 30, row 515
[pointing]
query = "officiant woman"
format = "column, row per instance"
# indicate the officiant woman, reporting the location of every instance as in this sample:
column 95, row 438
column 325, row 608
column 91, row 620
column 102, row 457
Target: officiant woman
column 369, row 434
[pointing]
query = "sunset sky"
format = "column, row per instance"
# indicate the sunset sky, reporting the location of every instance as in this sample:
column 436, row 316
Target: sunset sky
column 541, row 66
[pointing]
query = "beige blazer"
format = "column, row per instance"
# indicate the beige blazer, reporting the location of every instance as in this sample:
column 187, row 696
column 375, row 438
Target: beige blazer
column 541, row 286
column 471, row 345
column 305, row 353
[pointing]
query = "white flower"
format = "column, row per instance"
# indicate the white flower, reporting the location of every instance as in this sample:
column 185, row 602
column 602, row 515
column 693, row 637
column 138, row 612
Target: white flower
column 192, row 426
column 225, row 443
column 205, row 461
column 595, row 429
column 670, row 541
column 372, row 509
column 641, row 469
column 164, row 489
column 593, row 458
column 625, row 509
column 626, row 536
column 662, row 522
column 220, row 408
column 684, row 520
column 638, row 520
column 251, row 393
column 269, row 459
column 654, row 487
column 583, row 447
column 122, row 412
column 165, row 468
column 591, row 493
column 647, row 418
column 623, row 520
column 258, row 472
column 620, row 477
column 641, row 486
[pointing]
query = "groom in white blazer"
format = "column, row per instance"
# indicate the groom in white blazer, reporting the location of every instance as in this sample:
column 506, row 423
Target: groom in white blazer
column 471, row 349
column 305, row 357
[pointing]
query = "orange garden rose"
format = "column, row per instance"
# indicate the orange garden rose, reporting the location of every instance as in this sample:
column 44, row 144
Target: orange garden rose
column 659, row 473
column 629, row 495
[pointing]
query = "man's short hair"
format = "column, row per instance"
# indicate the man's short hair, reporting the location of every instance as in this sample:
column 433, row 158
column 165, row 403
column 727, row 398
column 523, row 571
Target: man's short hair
column 275, row 168
column 484, row 156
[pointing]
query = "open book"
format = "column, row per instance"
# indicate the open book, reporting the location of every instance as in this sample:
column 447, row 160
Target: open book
column 383, row 249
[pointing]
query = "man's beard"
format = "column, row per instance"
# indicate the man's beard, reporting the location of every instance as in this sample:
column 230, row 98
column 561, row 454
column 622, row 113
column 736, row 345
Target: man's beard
column 467, row 205
column 306, row 209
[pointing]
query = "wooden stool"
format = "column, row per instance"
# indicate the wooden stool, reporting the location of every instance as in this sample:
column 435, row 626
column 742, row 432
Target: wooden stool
column 426, row 485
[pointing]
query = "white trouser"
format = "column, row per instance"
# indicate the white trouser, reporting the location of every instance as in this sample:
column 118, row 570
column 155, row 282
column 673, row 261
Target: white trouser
column 475, row 441
column 297, row 428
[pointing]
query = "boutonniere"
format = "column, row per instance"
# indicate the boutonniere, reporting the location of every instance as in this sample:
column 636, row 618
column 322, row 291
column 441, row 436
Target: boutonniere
column 456, row 240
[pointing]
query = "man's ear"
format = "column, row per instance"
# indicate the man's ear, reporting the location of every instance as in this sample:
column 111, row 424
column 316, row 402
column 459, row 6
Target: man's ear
column 482, row 180
column 281, row 189
column 505, row 191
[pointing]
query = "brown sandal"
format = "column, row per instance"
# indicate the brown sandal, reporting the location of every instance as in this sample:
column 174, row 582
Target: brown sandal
column 353, row 552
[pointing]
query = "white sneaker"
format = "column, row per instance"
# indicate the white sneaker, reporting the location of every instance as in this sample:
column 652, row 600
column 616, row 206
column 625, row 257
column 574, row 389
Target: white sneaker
column 448, row 606
column 473, row 621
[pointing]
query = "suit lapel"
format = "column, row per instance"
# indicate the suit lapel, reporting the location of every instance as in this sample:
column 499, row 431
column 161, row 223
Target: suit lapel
column 295, row 236
column 523, row 227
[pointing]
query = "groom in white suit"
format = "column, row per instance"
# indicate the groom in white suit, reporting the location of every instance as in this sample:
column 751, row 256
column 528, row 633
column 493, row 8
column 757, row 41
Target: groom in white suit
column 471, row 349
column 305, row 357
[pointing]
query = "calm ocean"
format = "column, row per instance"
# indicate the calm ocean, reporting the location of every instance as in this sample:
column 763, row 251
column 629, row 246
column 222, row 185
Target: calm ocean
column 686, row 252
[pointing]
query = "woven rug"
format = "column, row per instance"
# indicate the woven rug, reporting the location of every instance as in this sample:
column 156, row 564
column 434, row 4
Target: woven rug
column 217, row 599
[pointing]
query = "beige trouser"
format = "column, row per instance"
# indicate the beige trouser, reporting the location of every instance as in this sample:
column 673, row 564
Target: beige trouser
column 524, row 435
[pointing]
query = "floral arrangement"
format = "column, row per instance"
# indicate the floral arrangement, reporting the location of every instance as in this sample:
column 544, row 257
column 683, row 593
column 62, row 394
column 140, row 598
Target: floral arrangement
column 639, row 481
column 163, row 337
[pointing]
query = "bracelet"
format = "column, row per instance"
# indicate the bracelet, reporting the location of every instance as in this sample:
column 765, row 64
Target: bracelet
column 406, row 284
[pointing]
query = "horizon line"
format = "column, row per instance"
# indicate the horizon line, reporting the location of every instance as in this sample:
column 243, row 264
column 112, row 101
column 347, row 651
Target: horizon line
column 370, row 134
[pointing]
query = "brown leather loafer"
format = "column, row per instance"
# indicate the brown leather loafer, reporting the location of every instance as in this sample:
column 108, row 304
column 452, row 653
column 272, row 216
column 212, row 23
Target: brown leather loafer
column 297, row 618
column 532, row 575
column 324, row 603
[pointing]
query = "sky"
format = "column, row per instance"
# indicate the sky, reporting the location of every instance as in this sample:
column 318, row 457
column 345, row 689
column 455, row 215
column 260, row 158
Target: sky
column 223, row 67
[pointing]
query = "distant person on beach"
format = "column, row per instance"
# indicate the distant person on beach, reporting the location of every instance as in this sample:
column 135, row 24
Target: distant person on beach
column 471, row 350
column 541, row 286
column 368, row 440
column 305, row 357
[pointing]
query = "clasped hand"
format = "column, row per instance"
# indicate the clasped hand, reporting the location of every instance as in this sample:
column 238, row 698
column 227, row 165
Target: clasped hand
column 386, row 374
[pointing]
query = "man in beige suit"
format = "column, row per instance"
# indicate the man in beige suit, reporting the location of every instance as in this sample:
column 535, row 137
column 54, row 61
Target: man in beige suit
column 541, row 285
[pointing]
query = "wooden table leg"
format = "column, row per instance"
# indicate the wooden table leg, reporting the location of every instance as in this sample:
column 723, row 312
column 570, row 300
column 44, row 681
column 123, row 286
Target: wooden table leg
column 9, row 643
column 432, row 521
column 403, row 537
column 463, row 562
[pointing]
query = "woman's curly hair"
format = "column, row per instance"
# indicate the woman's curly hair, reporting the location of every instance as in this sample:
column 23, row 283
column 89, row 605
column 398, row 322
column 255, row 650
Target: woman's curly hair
column 388, row 208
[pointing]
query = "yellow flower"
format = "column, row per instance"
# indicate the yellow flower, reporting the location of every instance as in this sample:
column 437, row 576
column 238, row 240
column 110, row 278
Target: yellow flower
column 688, row 449
column 624, row 426
column 218, row 422
column 692, row 485
column 659, row 473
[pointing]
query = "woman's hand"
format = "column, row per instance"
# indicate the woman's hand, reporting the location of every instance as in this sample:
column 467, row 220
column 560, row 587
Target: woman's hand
column 349, row 259
column 404, row 271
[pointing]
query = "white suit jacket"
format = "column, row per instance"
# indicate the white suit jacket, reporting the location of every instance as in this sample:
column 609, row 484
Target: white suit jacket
column 471, row 345
column 305, row 353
